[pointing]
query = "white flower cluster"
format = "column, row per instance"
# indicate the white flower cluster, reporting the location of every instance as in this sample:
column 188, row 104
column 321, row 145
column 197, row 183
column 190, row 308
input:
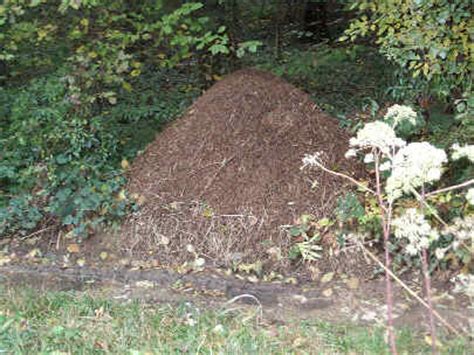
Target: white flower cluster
column 462, row 231
column 470, row 196
column 378, row 135
column 400, row 113
column 312, row 160
column 464, row 151
column 414, row 165
column 413, row 226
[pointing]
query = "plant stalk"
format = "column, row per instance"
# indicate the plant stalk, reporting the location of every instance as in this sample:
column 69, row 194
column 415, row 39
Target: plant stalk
column 427, row 282
column 386, row 214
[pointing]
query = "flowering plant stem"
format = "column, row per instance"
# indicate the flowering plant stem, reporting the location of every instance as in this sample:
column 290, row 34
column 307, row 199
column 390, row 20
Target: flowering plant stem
column 427, row 282
column 411, row 292
column 386, row 215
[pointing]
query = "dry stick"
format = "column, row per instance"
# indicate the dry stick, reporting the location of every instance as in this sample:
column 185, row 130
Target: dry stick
column 427, row 281
column 450, row 188
column 347, row 177
column 410, row 291
column 386, row 214
column 37, row 232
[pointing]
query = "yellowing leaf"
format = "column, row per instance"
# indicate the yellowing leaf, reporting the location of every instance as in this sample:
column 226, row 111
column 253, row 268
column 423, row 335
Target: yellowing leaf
column 42, row 35
column 121, row 196
column 135, row 72
column 85, row 22
column 92, row 54
column 136, row 64
column 127, row 86
column 125, row 164
column 208, row 213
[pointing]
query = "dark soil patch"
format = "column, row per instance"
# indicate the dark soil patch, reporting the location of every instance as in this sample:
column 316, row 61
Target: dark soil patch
column 278, row 302
column 226, row 179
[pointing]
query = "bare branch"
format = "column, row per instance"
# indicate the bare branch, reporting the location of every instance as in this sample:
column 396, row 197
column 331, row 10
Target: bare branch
column 450, row 188
column 344, row 176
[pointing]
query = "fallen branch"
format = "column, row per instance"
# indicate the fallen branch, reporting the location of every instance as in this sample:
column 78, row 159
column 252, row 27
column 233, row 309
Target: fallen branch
column 36, row 233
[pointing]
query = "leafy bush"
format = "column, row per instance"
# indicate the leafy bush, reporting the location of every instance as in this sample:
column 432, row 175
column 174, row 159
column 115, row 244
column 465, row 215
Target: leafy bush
column 404, row 176
column 56, row 162
column 96, row 91
column 428, row 39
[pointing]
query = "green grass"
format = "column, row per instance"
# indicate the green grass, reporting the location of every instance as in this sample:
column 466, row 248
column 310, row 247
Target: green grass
column 77, row 323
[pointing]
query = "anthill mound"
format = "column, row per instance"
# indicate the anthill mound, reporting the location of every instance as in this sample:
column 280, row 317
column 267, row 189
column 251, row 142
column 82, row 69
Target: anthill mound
column 226, row 179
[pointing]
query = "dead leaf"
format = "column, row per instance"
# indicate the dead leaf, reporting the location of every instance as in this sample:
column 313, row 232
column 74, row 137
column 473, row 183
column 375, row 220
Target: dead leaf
column 73, row 248
column 164, row 240
column 145, row 284
column 328, row 292
column 99, row 312
column 81, row 262
column 199, row 262
column 34, row 253
column 327, row 277
column 300, row 298
column 353, row 283
column 4, row 260
column 428, row 341
column 104, row 255
column 253, row 279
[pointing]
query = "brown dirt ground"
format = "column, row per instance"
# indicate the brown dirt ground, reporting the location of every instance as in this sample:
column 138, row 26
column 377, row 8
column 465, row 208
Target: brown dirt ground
column 278, row 303
column 226, row 179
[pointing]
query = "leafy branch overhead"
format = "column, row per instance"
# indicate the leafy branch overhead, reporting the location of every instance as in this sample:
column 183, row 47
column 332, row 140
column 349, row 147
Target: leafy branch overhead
column 431, row 40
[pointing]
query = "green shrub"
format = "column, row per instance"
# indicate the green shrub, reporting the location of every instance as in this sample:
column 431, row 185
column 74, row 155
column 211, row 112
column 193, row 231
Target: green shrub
column 56, row 161
column 427, row 39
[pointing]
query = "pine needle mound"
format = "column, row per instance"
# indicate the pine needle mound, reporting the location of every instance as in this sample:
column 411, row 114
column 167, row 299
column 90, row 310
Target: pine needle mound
column 225, row 178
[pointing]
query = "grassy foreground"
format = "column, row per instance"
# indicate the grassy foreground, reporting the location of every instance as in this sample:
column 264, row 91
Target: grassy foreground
column 77, row 323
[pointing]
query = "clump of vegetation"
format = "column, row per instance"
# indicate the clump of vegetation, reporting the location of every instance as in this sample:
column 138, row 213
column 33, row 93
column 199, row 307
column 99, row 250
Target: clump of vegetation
column 409, row 170
column 429, row 40
column 70, row 128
